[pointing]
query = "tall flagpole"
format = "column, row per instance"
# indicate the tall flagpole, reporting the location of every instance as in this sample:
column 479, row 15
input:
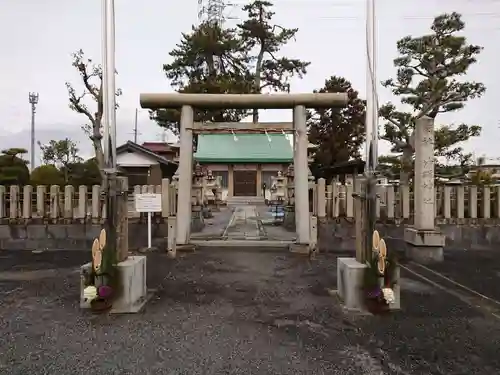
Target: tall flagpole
column 371, row 126
column 109, row 116
column 105, row 79
column 111, row 82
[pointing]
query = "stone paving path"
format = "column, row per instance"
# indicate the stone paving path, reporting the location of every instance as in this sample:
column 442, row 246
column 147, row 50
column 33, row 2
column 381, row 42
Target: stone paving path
column 245, row 224
column 215, row 226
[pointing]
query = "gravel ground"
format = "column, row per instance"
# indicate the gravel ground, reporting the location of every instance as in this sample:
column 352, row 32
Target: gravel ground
column 232, row 312
column 479, row 270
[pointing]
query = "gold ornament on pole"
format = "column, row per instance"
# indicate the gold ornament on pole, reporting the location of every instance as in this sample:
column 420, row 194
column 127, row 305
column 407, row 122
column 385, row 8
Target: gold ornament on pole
column 102, row 239
column 382, row 256
column 375, row 241
column 97, row 248
column 96, row 255
column 379, row 247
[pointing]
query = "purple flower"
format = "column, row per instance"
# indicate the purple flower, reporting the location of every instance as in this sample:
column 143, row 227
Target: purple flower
column 105, row 291
column 374, row 293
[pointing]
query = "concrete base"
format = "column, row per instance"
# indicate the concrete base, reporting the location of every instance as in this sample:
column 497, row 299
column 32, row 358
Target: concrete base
column 350, row 282
column 397, row 292
column 424, row 246
column 133, row 294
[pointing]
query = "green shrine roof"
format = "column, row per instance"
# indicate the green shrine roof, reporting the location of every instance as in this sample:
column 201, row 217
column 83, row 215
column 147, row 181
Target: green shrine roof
column 248, row 148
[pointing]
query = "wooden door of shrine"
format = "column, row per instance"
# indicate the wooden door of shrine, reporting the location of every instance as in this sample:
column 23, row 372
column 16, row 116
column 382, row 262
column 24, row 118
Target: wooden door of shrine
column 245, row 183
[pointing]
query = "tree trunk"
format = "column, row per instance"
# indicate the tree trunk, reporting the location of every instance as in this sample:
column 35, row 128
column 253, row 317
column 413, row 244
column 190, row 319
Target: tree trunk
column 97, row 144
column 406, row 166
column 99, row 153
column 258, row 66
column 258, row 72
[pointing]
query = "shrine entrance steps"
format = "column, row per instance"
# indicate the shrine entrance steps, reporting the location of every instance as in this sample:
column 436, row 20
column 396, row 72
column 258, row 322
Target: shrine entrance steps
column 245, row 225
column 245, row 200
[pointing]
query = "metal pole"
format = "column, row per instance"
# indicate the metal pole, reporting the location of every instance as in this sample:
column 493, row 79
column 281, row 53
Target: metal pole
column 149, row 230
column 109, row 124
column 104, row 88
column 111, row 83
column 135, row 125
column 33, row 111
column 33, row 99
column 371, row 151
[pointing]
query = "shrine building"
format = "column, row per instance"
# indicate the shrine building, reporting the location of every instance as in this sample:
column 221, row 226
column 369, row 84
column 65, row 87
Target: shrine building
column 245, row 161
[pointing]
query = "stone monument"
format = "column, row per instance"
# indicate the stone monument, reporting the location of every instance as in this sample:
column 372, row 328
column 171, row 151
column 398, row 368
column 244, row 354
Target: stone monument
column 424, row 241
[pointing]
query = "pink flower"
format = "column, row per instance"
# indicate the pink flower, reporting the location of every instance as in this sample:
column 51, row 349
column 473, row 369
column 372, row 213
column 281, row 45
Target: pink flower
column 105, row 291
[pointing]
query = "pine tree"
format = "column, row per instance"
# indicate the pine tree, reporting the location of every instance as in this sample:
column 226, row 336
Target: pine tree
column 209, row 59
column 429, row 69
column 338, row 132
column 264, row 39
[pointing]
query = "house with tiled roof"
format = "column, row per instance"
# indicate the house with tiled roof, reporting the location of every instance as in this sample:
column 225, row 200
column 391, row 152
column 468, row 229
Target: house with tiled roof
column 147, row 164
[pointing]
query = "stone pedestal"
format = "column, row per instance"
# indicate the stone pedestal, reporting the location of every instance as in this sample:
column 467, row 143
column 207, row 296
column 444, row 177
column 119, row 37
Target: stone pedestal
column 133, row 294
column 424, row 246
column 350, row 282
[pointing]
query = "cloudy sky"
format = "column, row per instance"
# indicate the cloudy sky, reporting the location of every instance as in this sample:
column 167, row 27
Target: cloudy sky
column 37, row 39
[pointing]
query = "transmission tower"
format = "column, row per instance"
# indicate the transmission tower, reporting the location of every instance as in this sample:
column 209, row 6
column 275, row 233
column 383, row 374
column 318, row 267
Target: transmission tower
column 212, row 11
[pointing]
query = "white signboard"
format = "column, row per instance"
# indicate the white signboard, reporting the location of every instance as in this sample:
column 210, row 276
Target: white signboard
column 148, row 202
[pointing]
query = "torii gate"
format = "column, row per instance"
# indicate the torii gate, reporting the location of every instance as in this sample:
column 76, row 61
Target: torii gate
column 298, row 102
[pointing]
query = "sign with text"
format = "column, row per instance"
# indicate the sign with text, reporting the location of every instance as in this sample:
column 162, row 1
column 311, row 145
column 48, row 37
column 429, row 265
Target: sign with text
column 148, row 202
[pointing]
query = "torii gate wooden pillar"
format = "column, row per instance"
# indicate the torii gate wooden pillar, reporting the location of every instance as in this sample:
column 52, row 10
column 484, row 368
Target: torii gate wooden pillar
column 298, row 102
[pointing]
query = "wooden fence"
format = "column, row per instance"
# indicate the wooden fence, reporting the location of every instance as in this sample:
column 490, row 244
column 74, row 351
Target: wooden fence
column 84, row 204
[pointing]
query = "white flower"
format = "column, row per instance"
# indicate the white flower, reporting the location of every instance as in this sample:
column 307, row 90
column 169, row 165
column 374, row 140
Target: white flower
column 388, row 294
column 90, row 293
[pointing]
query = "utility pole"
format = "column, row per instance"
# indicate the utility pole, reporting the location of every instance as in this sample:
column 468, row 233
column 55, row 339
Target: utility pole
column 33, row 99
column 135, row 125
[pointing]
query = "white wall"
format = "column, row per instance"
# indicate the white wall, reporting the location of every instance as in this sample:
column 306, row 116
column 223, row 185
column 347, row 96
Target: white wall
column 131, row 159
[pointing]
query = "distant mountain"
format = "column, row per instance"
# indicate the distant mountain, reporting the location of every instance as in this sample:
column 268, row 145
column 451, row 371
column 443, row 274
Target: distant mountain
column 22, row 139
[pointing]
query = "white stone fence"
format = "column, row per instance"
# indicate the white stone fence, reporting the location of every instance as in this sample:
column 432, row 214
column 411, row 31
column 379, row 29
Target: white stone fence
column 396, row 202
column 69, row 204
column 86, row 204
